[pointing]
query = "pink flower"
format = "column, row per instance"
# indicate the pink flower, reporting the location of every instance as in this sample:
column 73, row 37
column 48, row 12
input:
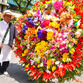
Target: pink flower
column 38, row 13
column 72, row 43
column 73, row 25
column 45, row 23
column 57, row 5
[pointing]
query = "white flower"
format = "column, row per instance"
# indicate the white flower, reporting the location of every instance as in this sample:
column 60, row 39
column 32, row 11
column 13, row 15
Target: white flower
column 51, row 54
column 39, row 57
column 71, row 23
column 57, row 62
column 65, row 34
column 41, row 64
column 48, row 71
column 28, row 45
column 69, row 45
column 49, row 30
column 32, row 61
column 78, row 23
column 60, row 66
column 78, row 34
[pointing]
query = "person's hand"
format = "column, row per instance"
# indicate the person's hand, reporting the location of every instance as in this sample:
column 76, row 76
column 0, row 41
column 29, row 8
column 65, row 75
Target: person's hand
column 1, row 45
column 12, row 48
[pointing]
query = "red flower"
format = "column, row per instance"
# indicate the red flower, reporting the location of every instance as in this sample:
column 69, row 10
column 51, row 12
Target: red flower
column 20, row 34
column 44, row 35
column 45, row 23
column 61, row 72
column 28, row 24
column 68, row 66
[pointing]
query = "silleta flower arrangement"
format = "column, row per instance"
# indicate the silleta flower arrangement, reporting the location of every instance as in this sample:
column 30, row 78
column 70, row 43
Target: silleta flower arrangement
column 50, row 40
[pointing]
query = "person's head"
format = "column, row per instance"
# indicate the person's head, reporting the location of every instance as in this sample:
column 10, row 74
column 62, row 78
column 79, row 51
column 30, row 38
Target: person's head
column 7, row 16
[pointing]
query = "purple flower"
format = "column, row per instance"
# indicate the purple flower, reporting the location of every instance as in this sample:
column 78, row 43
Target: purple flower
column 31, row 21
column 24, row 28
column 32, row 51
column 65, row 50
column 71, row 33
column 44, row 62
column 39, row 33
column 57, row 5
column 38, row 13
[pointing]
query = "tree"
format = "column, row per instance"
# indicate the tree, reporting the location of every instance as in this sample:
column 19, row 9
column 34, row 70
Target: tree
column 23, row 5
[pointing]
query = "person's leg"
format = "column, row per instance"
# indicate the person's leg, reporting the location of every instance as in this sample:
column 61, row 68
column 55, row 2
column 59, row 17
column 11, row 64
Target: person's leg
column 0, row 67
column 4, row 66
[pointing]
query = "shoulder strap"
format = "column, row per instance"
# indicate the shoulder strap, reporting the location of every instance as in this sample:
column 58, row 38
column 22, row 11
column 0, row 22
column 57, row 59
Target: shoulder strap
column 6, row 33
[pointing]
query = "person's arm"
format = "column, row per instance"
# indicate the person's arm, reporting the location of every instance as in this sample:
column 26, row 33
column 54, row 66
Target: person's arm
column 1, row 45
column 1, row 38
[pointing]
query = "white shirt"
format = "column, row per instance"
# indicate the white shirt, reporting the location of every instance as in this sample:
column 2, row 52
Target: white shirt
column 3, row 28
column 6, row 51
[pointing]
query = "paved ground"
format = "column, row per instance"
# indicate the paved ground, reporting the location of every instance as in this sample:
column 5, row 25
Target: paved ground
column 20, row 76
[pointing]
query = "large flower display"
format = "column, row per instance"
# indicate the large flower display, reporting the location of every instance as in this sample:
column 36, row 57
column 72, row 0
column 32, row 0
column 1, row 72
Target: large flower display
column 50, row 40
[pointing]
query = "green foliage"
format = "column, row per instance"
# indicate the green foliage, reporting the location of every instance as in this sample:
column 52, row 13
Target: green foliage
column 71, row 74
column 24, row 5
column 0, row 18
column 13, row 20
column 39, row 80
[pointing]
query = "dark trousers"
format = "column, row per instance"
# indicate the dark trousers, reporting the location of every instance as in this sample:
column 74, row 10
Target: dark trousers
column 4, row 66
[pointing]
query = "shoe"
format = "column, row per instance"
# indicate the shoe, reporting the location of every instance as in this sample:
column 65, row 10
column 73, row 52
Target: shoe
column 1, row 73
column 6, row 73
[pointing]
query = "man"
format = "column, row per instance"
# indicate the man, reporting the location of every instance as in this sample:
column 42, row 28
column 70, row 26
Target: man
column 6, row 47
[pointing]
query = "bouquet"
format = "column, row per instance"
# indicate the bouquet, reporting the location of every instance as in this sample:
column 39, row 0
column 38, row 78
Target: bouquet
column 50, row 40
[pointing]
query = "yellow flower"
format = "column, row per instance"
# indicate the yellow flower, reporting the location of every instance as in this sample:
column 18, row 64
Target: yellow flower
column 49, row 35
column 76, row 41
column 23, row 54
column 77, row 27
column 49, row 62
column 37, row 60
column 26, row 65
column 26, row 51
column 48, row 67
column 72, row 39
column 38, row 66
column 65, row 3
column 53, row 68
column 76, row 20
column 65, row 56
column 41, row 48
column 54, row 24
column 34, row 66
column 35, row 9
column 72, row 51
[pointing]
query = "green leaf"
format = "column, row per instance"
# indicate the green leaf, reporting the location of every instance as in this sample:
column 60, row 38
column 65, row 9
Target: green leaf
column 41, row 70
column 49, row 57
column 29, row 78
column 82, row 32
column 78, row 17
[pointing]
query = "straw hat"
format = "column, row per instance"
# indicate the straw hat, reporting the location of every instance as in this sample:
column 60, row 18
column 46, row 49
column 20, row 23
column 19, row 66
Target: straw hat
column 8, row 12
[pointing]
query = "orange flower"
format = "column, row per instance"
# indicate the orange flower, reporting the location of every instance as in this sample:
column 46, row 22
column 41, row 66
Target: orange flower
column 49, row 62
column 30, row 31
column 65, row 56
